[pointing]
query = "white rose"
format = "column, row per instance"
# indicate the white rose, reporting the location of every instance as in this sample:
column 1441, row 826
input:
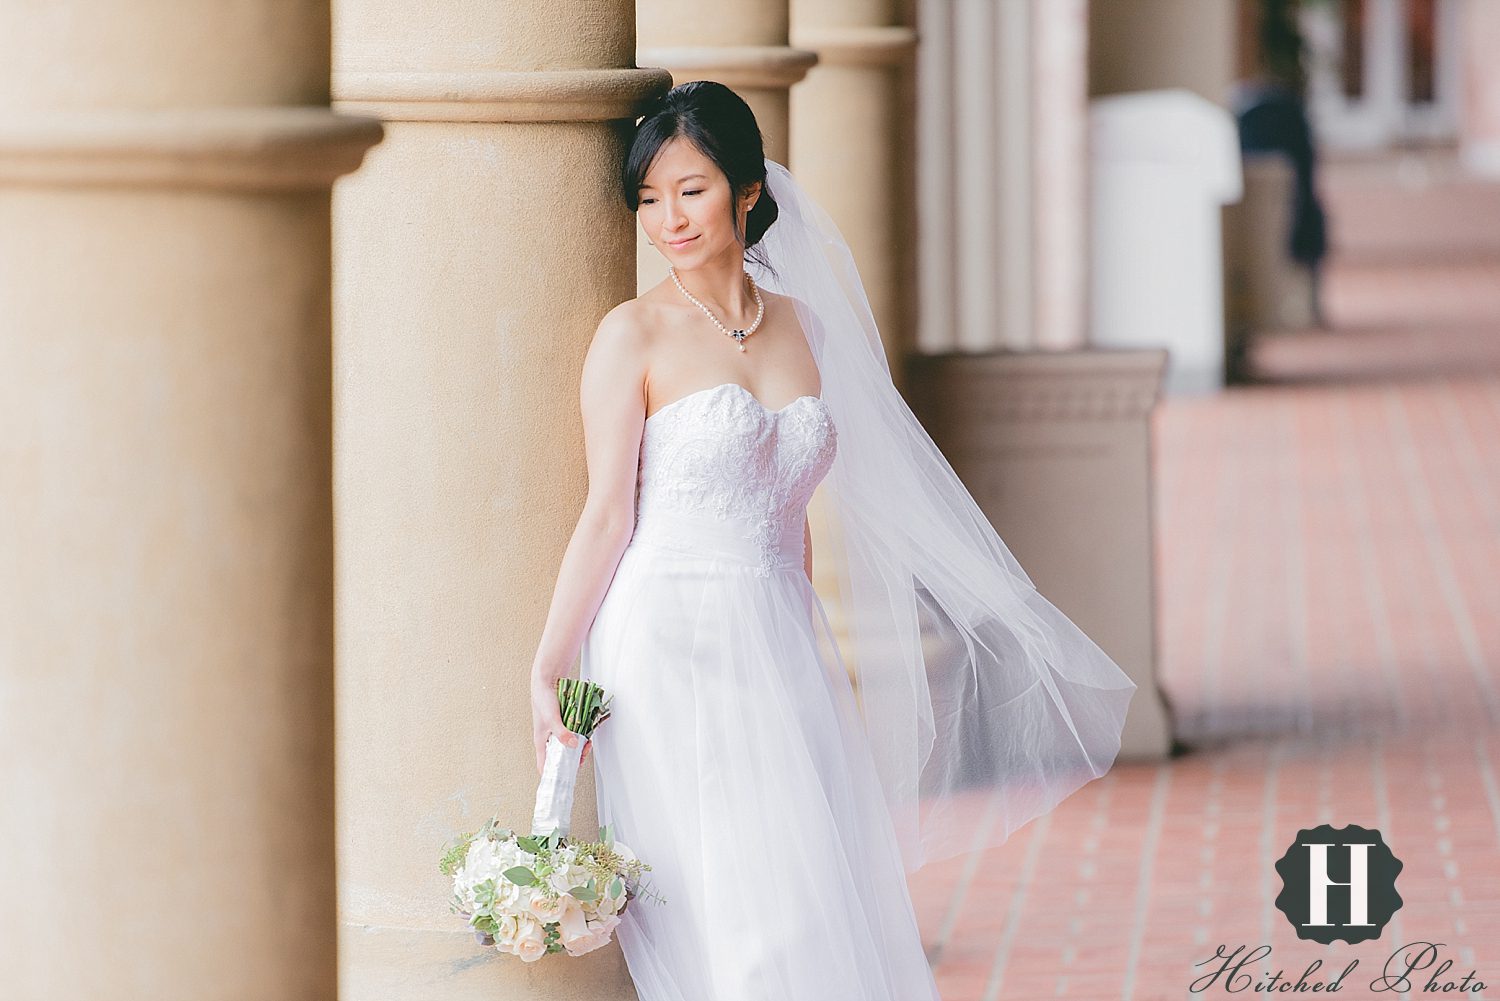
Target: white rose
column 586, row 944
column 544, row 909
column 561, row 880
column 530, row 942
column 572, row 924
column 509, row 927
column 595, row 935
column 508, row 895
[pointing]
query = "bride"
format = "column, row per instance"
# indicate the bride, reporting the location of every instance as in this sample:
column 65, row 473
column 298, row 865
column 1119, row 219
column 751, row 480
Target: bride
column 783, row 783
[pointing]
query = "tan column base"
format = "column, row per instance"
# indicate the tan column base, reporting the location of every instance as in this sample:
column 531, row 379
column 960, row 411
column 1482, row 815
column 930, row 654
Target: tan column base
column 1050, row 442
column 166, row 608
column 477, row 251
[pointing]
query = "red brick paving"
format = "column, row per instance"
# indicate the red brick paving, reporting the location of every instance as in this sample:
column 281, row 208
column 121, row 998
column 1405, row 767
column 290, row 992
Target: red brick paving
column 1329, row 572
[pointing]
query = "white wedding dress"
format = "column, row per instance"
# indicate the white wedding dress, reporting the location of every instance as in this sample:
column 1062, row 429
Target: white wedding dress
column 734, row 760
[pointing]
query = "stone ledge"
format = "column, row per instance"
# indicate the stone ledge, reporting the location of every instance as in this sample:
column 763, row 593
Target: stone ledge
column 771, row 67
column 582, row 95
column 1088, row 384
column 871, row 45
column 254, row 148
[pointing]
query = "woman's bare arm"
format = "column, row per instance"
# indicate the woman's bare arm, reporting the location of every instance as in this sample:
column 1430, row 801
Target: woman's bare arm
column 807, row 546
column 612, row 400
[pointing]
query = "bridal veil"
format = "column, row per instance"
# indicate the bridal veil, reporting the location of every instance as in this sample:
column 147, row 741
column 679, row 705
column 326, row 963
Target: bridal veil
column 984, row 704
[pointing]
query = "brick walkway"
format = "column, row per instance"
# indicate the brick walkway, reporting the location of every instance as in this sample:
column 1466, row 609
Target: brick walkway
column 1329, row 564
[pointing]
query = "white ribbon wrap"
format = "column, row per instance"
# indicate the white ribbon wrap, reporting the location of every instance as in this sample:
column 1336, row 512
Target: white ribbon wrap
column 554, row 794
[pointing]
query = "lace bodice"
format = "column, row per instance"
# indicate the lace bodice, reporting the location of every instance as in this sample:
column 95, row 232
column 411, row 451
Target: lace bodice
column 722, row 474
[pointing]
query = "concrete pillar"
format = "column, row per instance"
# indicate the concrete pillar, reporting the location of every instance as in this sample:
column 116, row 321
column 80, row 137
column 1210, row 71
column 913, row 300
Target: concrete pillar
column 977, row 189
column 1056, row 448
column 850, row 133
column 166, row 605
column 848, row 127
column 1479, row 127
column 1059, row 168
column 1156, row 44
column 1004, row 381
column 476, row 252
column 937, row 131
column 994, row 80
column 742, row 45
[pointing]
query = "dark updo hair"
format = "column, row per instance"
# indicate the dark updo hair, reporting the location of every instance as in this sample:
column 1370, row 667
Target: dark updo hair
column 721, row 125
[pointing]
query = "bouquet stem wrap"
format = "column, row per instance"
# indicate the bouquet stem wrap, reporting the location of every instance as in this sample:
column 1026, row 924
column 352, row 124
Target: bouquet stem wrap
column 582, row 706
column 554, row 794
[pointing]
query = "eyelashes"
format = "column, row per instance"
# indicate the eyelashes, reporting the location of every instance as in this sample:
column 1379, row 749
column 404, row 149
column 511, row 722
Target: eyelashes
column 695, row 191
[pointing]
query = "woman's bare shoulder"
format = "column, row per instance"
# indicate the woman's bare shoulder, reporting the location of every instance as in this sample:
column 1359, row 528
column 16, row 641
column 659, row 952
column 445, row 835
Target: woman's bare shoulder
column 785, row 306
column 776, row 300
column 626, row 325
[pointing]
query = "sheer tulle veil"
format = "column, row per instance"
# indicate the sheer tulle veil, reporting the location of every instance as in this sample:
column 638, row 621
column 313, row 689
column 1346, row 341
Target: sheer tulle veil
column 984, row 704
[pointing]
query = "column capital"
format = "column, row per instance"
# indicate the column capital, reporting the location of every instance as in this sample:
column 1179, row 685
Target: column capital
column 572, row 95
column 857, row 45
column 242, row 148
column 1082, row 384
column 754, row 67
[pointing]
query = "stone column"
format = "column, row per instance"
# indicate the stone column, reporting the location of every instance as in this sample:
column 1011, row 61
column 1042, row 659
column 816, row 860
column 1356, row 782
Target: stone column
column 1059, row 166
column 1003, row 323
column 936, row 129
column 166, row 604
column 1156, row 44
column 1003, row 184
column 476, row 251
column 1479, row 128
column 976, row 156
column 848, row 130
column 1056, row 448
column 742, row 45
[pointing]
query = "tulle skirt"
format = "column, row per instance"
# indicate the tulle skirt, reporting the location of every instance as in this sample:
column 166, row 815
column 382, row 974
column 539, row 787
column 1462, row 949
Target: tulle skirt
column 736, row 764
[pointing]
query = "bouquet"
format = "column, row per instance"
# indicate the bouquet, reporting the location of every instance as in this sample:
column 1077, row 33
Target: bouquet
column 536, row 894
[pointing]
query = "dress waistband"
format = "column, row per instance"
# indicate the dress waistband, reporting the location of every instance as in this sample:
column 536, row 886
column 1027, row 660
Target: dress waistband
column 766, row 545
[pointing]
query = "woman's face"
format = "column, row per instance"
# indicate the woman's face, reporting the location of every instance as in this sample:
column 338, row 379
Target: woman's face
column 687, row 209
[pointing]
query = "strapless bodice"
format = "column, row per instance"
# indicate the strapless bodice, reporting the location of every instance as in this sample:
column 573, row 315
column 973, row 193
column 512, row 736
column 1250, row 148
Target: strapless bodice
column 723, row 475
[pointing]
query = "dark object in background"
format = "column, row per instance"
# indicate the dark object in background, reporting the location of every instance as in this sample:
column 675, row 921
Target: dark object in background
column 1272, row 118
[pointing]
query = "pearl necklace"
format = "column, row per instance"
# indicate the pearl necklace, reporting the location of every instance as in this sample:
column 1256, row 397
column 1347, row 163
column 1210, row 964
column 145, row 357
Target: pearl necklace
column 738, row 335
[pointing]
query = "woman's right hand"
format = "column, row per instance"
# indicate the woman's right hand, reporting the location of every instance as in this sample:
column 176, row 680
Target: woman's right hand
column 546, row 720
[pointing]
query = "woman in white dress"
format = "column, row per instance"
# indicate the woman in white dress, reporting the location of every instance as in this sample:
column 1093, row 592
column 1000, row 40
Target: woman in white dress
column 780, row 805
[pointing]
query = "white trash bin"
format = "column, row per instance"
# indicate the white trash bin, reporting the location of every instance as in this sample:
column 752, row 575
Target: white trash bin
column 1163, row 162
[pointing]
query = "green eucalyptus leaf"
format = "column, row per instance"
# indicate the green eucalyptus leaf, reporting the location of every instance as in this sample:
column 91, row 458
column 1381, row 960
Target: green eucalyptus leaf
column 520, row 875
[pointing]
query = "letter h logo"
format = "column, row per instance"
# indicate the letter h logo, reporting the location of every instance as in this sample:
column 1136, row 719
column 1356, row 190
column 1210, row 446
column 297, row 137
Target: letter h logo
column 1338, row 884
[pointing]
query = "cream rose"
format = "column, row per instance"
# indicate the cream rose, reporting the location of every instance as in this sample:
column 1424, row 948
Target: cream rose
column 530, row 942
column 545, row 910
column 572, row 925
column 595, row 934
column 505, row 934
